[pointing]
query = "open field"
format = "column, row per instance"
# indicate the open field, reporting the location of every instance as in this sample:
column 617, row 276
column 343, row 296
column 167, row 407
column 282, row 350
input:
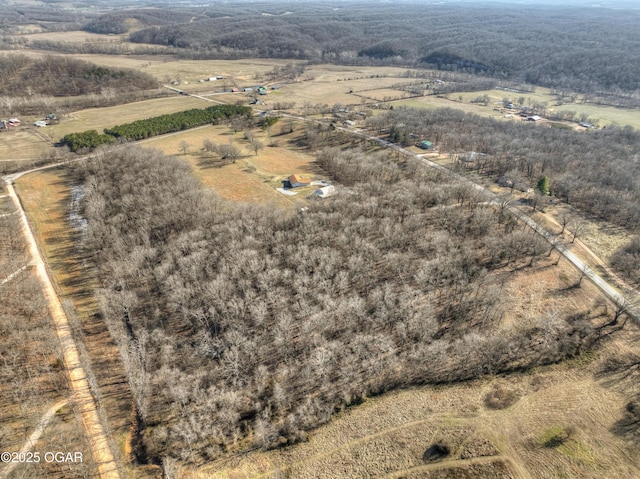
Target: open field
column 47, row 198
column 604, row 115
column 23, row 142
column 253, row 178
column 330, row 84
column 100, row 118
column 77, row 36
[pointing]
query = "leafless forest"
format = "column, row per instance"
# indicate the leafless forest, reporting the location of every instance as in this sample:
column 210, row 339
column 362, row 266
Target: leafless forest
column 596, row 171
column 246, row 327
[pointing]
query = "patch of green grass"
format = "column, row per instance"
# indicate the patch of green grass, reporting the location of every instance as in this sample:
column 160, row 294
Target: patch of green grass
column 578, row 451
column 555, row 436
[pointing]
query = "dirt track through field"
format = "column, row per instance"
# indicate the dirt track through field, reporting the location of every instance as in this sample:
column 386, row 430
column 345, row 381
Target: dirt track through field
column 35, row 435
column 100, row 450
column 13, row 275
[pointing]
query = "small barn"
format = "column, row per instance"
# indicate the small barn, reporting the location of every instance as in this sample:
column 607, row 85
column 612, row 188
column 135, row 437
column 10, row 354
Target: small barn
column 425, row 145
column 325, row 191
column 295, row 182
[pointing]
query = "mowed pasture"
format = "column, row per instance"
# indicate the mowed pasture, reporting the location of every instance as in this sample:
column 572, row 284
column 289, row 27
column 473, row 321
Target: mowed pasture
column 328, row 84
column 100, row 118
column 502, row 427
column 23, row 142
column 47, row 199
column 252, row 178
column 76, row 36
column 604, row 115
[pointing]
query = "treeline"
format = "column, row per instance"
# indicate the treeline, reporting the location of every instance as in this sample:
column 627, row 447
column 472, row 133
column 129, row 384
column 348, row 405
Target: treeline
column 583, row 49
column 183, row 120
column 158, row 125
column 596, row 171
column 48, row 17
column 247, row 327
column 120, row 21
column 63, row 76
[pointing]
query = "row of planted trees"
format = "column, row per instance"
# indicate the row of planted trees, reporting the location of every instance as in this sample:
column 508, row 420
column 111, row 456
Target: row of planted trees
column 154, row 126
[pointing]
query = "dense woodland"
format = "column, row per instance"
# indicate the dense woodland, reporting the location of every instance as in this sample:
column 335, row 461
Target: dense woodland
column 246, row 327
column 581, row 48
column 37, row 86
column 585, row 49
column 59, row 76
column 596, row 171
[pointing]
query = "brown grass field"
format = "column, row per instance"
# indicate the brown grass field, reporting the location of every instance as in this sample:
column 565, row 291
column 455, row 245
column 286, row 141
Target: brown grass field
column 23, row 142
column 253, row 178
column 100, row 118
column 46, row 197
column 387, row 436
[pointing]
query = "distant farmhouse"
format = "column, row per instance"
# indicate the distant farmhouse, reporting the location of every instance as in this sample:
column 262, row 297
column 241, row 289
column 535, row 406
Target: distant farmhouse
column 295, row 182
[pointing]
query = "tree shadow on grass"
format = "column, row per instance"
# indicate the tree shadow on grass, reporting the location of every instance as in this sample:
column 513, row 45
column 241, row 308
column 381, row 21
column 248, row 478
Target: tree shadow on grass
column 210, row 163
column 622, row 373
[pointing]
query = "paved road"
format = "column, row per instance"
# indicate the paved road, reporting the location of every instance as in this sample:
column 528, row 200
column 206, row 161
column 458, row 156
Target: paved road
column 609, row 291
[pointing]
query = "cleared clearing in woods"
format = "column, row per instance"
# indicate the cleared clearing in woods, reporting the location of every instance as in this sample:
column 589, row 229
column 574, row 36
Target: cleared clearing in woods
column 253, row 178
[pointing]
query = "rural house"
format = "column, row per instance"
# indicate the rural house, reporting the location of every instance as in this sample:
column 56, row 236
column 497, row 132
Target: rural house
column 295, row 182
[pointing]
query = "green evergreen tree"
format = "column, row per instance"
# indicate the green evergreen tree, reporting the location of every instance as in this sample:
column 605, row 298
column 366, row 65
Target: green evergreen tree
column 542, row 185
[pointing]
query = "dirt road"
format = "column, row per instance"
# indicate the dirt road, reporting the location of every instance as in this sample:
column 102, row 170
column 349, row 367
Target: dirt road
column 100, row 450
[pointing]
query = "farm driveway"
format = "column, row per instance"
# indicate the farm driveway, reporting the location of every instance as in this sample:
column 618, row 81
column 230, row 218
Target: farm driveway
column 82, row 396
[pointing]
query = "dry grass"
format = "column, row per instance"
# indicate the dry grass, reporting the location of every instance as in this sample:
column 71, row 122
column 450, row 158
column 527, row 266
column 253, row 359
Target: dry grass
column 100, row 118
column 253, row 178
column 387, row 436
column 23, row 142
column 441, row 102
column 45, row 196
column 77, row 36
column 605, row 115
